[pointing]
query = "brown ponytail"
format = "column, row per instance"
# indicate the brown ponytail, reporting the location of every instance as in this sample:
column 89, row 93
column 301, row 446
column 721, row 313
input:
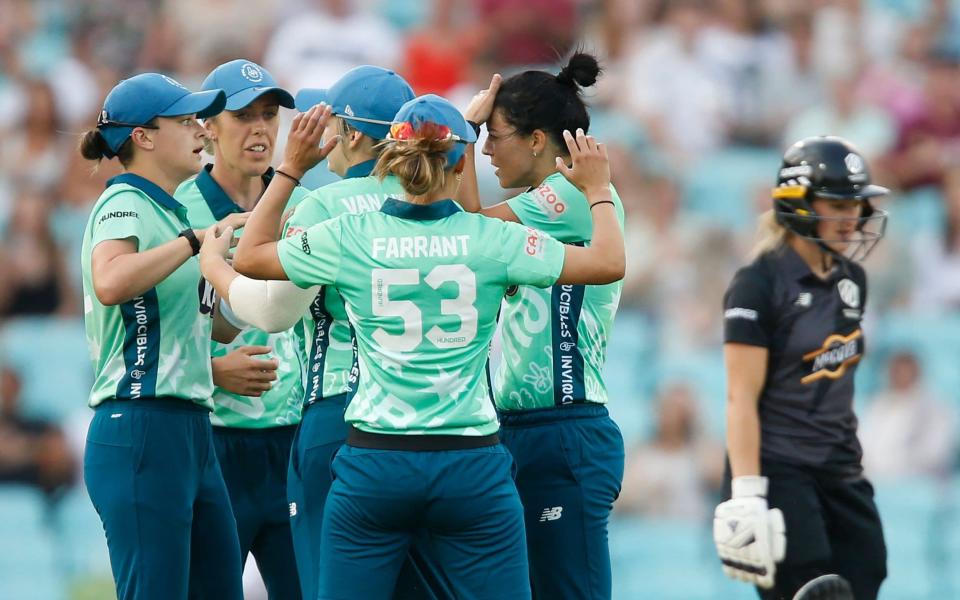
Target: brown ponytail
column 419, row 162
column 94, row 147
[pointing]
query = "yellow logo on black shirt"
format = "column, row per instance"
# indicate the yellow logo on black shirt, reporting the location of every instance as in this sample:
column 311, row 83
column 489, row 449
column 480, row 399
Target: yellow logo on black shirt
column 834, row 356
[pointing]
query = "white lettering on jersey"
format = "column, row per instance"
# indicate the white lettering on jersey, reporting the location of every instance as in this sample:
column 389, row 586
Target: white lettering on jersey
column 363, row 203
column 740, row 313
column 420, row 246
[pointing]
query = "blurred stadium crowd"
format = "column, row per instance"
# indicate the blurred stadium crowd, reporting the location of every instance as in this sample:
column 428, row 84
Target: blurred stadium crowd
column 698, row 99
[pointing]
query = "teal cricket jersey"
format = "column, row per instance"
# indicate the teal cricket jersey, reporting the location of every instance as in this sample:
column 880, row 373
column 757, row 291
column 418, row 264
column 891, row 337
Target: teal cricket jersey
column 422, row 286
column 206, row 203
column 330, row 347
column 555, row 339
column 157, row 344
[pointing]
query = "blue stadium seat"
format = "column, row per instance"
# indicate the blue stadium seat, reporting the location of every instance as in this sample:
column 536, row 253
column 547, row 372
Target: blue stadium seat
column 910, row 511
column 52, row 358
column 29, row 568
column 722, row 186
column 627, row 373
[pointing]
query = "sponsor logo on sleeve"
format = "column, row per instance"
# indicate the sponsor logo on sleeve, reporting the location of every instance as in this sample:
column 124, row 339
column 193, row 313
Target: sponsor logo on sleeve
column 304, row 243
column 534, row 245
column 118, row 214
column 740, row 313
column 549, row 202
column 293, row 230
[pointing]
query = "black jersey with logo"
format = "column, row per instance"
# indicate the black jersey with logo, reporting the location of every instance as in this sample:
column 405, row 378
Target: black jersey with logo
column 811, row 327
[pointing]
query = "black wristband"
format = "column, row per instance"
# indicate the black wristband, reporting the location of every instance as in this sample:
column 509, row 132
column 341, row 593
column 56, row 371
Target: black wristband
column 610, row 202
column 476, row 127
column 295, row 181
column 192, row 238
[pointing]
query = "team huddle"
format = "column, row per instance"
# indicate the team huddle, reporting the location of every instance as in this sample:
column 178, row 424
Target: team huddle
column 304, row 376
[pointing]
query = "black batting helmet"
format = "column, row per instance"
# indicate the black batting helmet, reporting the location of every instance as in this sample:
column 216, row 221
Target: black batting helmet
column 831, row 168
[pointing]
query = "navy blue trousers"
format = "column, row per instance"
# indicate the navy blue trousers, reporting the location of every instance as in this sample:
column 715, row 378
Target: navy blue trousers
column 152, row 473
column 254, row 464
column 569, row 471
column 321, row 433
column 464, row 500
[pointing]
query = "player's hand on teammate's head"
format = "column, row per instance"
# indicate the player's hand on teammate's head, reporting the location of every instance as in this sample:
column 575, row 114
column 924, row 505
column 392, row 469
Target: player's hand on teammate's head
column 303, row 150
column 481, row 106
column 590, row 166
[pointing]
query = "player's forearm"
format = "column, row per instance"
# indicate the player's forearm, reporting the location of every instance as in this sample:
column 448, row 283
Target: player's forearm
column 127, row 276
column 606, row 249
column 743, row 436
column 263, row 226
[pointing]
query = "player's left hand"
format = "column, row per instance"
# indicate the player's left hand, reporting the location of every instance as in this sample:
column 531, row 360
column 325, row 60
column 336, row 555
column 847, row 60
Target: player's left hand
column 750, row 537
column 591, row 167
column 216, row 242
column 481, row 107
column 303, row 150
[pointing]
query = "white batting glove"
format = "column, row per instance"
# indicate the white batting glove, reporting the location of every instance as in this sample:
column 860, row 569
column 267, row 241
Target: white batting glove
column 750, row 537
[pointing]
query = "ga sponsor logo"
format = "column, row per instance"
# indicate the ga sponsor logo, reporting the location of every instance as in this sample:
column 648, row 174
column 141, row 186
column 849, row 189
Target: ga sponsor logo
column 549, row 202
column 534, row 246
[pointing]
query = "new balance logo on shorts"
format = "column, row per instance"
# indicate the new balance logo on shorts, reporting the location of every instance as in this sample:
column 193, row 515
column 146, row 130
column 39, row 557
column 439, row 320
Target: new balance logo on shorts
column 293, row 509
column 551, row 514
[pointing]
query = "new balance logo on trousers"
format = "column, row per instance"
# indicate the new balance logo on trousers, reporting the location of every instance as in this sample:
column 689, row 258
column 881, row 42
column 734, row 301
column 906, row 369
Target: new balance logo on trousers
column 551, row 514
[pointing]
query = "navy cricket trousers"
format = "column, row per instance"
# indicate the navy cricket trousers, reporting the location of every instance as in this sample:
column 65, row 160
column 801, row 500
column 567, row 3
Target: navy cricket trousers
column 254, row 464
column 152, row 473
column 569, row 471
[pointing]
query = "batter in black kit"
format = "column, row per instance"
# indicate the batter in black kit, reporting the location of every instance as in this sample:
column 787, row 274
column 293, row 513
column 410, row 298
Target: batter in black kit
column 799, row 506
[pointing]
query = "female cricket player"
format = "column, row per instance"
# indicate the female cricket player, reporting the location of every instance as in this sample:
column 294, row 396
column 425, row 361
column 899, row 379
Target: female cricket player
column 792, row 340
column 422, row 281
column 149, row 465
column 256, row 402
column 549, row 388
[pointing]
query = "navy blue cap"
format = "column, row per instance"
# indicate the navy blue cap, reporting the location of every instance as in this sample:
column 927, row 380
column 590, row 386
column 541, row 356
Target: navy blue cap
column 366, row 96
column 434, row 109
column 244, row 81
column 136, row 101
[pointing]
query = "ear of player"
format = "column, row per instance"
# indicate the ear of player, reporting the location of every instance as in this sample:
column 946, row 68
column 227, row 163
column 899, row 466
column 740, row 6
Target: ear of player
column 750, row 537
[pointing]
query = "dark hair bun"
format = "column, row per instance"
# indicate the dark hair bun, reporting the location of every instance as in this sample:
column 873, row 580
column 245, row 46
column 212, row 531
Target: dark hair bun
column 582, row 70
column 92, row 145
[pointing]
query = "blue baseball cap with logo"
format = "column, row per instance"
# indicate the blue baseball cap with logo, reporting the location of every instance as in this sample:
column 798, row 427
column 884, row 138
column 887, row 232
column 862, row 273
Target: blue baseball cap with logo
column 366, row 96
column 136, row 101
column 434, row 109
column 244, row 81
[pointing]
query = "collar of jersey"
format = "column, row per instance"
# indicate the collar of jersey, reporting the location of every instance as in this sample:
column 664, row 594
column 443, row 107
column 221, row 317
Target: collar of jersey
column 360, row 170
column 154, row 191
column 217, row 200
column 796, row 268
column 434, row 211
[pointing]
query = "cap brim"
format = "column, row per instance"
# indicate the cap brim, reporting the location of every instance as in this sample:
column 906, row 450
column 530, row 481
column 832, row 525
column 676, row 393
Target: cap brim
column 867, row 191
column 244, row 98
column 307, row 98
column 204, row 104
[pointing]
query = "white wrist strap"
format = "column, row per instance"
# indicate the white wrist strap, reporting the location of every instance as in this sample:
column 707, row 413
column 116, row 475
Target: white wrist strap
column 749, row 485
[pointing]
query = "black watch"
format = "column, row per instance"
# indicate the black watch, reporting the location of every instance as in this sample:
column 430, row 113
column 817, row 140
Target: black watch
column 192, row 238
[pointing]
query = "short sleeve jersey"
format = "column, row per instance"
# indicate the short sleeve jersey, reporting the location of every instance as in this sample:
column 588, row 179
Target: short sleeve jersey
column 206, row 203
column 811, row 327
column 330, row 345
column 422, row 286
column 157, row 344
column 555, row 339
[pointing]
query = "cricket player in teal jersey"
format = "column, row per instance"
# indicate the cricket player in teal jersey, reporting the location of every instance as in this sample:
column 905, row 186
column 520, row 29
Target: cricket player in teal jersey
column 363, row 102
column 422, row 282
column 256, row 402
column 549, row 388
column 149, row 464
